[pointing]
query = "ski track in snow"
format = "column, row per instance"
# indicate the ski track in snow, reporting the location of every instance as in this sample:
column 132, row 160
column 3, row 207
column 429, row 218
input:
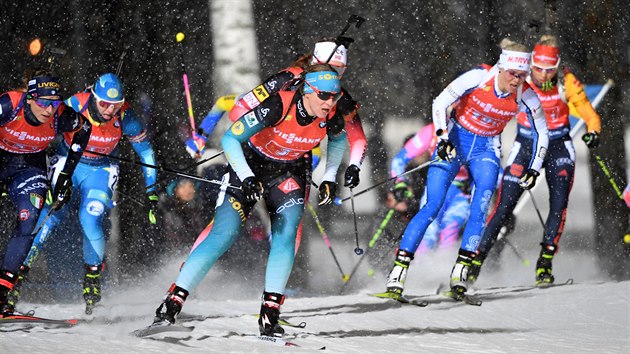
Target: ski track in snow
column 589, row 316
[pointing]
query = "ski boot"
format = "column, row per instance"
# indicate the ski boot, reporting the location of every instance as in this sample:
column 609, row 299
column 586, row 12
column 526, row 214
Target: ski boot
column 398, row 274
column 171, row 305
column 7, row 283
column 14, row 294
column 92, row 286
column 543, row 265
column 459, row 275
column 270, row 315
column 475, row 268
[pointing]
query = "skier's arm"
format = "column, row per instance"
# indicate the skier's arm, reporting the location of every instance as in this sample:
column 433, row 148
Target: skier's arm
column 71, row 121
column 6, row 109
column 243, row 129
column 530, row 104
column 348, row 109
column 136, row 132
column 456, row 89
column 577, row 97
column 413, row 148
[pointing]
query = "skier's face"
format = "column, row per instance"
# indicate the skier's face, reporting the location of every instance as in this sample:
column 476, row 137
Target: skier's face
column 511, row 79
column 542, row 75
column 44, row 107
column 319, row 103
column 108, row 109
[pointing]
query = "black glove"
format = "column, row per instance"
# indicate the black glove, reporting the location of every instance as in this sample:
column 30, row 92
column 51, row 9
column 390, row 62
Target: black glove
column 528, row 181
column 253, row 189
column 327, row 192
column 401, row 192
column 591, row 139
column 152, row 204
column 446, row 150
column 63, row 191
column 351, row 177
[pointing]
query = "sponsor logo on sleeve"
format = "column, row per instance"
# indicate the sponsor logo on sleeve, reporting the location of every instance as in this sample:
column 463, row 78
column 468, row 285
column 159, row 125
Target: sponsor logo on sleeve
column 251, row 120
column 238, row 128
column 261, row 93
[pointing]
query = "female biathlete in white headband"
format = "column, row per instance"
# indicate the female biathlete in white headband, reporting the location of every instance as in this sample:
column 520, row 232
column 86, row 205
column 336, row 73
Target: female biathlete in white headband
column 485, row 99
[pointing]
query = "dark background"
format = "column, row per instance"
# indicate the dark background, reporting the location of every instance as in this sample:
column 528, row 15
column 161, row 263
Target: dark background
column 403, row 56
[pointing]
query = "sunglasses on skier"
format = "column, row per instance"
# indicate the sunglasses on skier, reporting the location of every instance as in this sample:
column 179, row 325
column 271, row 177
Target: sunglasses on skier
column 45, row 102
column 516, row 75
column 325, row 95
column 107, row 104
column 538, row 69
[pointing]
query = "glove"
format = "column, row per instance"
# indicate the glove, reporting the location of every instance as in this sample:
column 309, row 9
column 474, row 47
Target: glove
column 196, row 145
column 152, row 204
column 253, row 189
column 327, row 192
column 528, row 181
column 401, row 192
column 351, row 177
column 63, row 191
column 446, row 150
column 591, row 139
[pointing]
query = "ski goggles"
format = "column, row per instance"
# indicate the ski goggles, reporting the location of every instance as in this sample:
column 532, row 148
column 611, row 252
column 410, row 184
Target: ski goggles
column 516, row 75
column 45, row 103
column 538, row 69
column 325, row 95
column 108, row 104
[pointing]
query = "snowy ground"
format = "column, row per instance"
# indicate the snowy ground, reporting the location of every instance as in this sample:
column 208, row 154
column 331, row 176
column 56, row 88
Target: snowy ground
column 590, row 316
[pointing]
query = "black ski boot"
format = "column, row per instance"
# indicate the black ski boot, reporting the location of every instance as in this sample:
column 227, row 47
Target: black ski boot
column 459, row 275
column 171, row 305
column 14, row 295
column 398, row 274
column 475, row 268
column 7, row 283
column 92, row 286
column 543, row 265
column 270, row 315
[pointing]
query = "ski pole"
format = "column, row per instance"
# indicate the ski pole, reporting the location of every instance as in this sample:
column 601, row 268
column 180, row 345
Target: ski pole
column 180, row 38
column 371, row 244
column 168, row 170
column 503, row 237
column 604, row 168
column 341, row 40
column 338, row 200
column 531, row 195
column 344, row 276
column 358, row 250
column 168, row 179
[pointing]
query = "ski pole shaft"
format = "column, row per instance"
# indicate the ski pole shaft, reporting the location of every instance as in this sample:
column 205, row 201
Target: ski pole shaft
column 523, row 260
column 168, row 170
column 371, row 244
column 531, row 195
column 180, row 38
column 604, row 168
column 338, row 201
column 310, row 208
column 358, row 250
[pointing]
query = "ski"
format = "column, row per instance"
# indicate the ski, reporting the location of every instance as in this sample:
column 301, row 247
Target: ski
column 552, row 285
column 400, row 298
column 280, row 342
column 287, row 323
column 46, row 322
column 460, row 297
column 160, row 327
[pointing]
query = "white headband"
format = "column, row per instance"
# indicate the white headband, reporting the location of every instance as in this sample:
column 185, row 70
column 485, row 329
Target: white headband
column 322, row 53
column 514, row 60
